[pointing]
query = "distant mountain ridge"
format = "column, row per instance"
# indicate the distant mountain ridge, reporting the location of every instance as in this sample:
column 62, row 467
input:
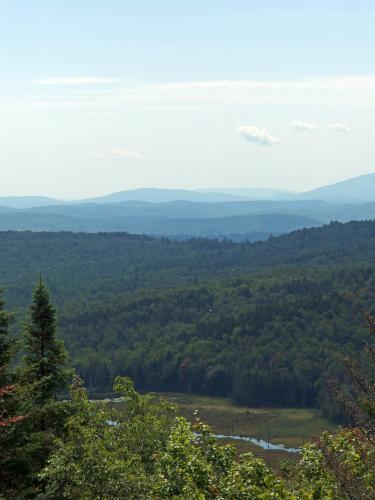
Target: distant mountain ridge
column 22, row 202
column 180, row 213
column 359, row 189
column 154, row 195
column 356, row 189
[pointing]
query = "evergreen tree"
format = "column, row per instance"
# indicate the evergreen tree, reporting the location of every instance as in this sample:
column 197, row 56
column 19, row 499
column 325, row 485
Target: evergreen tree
column 42, row 375
column 43, row 367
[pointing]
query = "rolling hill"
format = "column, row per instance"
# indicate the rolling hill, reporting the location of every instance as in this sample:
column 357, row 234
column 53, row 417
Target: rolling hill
column 263, row 323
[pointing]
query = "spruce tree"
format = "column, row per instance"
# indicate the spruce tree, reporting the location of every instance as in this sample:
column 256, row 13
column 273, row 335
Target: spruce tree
column 42, row 375
column 43, row 368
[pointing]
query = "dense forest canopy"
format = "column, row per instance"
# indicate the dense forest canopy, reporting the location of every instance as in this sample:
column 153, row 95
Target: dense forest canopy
column 107, row 263
column 264, row 323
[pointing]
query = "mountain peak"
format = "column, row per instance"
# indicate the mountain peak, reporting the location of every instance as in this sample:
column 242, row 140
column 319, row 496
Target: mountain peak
column 359, row 189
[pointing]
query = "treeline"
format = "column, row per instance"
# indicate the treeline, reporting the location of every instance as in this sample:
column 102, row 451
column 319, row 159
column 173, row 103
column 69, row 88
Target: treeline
column 76, row 449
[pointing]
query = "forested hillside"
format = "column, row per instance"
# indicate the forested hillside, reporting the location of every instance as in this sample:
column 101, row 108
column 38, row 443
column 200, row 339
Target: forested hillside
column 270, row 339
column 264, row 323
column 97, row 265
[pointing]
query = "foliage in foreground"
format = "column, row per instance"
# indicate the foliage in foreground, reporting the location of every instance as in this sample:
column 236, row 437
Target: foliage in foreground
column 82, row 450
column 147, row 452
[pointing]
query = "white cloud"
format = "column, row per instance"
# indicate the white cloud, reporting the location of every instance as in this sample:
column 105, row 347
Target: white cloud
column 257, row 135
column 116, row 153
column 341, row 127
column 81, row 80
column 304, row 126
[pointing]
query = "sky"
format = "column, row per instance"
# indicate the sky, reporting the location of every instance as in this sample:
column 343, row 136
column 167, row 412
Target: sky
column 100, row 96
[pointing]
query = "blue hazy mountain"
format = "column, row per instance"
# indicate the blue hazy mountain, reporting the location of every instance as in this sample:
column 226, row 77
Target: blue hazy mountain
column 264, row 224
column 27, row 201
column 6, row 210
column 314, row 209
column 356, row 189
column 254, row 193
column 189, row 209
column 153, row 195
column 184, row 213
column 183, row 218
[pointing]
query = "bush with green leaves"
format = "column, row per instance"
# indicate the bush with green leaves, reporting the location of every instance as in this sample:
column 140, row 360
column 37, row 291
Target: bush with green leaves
column 146, row 451
column 108, row 453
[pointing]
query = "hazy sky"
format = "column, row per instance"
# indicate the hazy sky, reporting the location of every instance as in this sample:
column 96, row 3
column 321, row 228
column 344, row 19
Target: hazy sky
column 105, row 95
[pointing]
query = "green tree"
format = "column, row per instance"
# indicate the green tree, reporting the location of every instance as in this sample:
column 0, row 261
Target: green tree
column 107, row 453
column 194, row 466
column 43, row 368
column 42, row 375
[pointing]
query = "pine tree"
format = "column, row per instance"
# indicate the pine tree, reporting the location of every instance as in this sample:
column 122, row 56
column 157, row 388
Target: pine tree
column 42, row 375
column 43, row 367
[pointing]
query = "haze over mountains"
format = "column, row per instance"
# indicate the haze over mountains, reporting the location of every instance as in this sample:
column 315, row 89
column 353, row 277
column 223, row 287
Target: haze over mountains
column 235, row 213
